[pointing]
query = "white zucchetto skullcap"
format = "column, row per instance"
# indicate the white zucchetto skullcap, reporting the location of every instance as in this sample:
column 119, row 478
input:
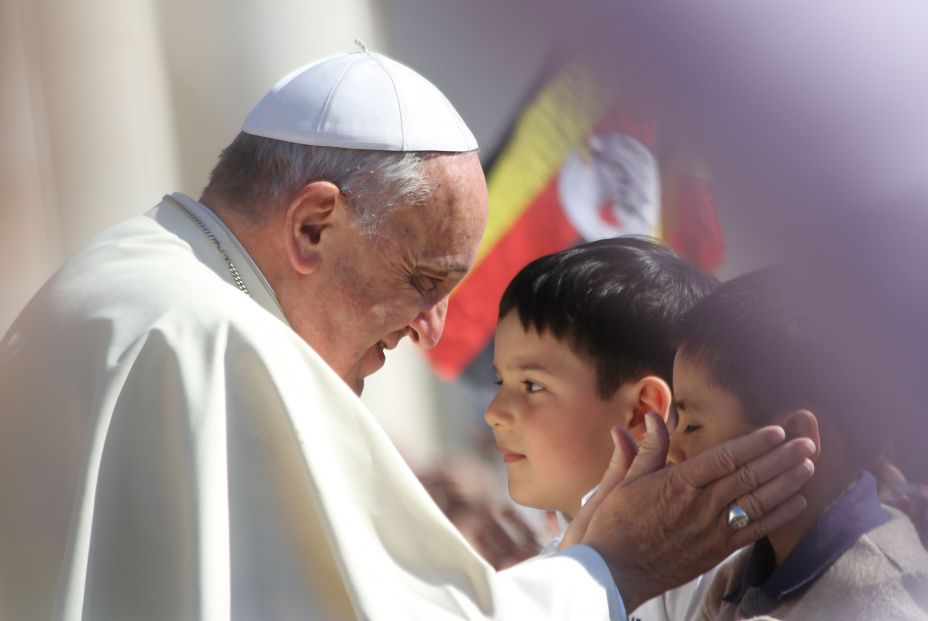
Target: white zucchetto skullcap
column 360, row 100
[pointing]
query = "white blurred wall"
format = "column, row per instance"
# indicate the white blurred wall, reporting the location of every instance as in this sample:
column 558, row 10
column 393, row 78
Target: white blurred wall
column 88, row 133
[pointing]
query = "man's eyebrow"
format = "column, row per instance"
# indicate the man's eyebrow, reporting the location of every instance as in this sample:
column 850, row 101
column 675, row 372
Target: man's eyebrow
column 679, row 404
column 457, row 268
column 443, row 268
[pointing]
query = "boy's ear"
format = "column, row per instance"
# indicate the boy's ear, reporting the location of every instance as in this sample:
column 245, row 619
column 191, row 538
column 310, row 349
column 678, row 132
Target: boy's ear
column 311, row 212
column 803, row 423
column 650, row 394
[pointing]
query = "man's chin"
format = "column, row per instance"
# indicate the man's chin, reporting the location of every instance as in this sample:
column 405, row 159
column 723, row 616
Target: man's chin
column 372, row 362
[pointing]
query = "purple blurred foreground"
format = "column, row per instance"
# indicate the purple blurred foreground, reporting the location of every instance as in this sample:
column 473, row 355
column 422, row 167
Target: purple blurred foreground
column 814, row 116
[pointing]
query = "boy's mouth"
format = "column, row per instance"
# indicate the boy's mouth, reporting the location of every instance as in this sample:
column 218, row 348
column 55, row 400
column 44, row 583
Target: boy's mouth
column 508, row 456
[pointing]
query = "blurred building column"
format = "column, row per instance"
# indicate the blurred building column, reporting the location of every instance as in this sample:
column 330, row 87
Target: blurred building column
column 222, row 57
column 87, row 131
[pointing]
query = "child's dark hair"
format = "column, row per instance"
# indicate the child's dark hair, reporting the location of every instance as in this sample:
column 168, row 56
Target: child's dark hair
column 616, row 302
column 765, row 338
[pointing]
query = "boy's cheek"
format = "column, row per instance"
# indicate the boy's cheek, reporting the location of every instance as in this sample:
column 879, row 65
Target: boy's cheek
column 685, row 446
column 674, row 453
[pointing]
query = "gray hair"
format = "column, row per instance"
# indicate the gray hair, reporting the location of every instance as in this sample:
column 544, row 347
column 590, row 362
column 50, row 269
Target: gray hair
column 255, row 175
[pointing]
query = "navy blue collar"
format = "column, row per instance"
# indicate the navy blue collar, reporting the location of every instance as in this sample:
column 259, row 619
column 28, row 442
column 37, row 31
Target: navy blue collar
column 857, row 511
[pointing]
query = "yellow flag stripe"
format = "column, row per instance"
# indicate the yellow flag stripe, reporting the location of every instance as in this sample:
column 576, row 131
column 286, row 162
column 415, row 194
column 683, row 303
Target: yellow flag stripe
column 556, row 122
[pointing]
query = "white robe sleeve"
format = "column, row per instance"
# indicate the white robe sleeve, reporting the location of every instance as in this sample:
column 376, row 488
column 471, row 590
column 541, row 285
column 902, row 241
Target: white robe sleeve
column 230, row 474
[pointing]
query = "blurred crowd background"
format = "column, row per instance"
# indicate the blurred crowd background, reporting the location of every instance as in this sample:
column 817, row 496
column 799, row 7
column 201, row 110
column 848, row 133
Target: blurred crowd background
column 740, row 133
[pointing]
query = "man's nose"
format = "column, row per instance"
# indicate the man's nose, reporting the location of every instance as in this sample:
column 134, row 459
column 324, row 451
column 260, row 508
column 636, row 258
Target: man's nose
column 425, row 330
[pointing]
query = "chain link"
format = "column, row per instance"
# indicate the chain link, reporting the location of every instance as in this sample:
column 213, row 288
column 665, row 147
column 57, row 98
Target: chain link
column 225, row 257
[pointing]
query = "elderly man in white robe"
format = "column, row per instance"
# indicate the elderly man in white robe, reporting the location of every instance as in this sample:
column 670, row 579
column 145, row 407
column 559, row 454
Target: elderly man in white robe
column 180, row 434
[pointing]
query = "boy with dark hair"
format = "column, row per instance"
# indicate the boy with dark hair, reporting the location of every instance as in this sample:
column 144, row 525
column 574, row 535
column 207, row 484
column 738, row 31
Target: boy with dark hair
column 584, row 344
column 760, row 350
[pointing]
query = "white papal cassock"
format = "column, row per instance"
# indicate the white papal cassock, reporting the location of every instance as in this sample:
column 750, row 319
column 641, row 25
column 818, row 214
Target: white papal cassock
column 171, row 449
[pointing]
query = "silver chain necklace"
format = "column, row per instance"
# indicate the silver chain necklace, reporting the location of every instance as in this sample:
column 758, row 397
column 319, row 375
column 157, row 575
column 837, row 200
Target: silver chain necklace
column 225, row 257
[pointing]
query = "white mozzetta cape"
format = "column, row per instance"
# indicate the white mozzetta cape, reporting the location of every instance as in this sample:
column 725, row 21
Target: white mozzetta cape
column 171, row 449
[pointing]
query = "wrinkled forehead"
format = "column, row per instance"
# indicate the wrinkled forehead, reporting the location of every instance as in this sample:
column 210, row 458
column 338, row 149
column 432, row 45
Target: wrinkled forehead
column 450, row 221
column 457, row 185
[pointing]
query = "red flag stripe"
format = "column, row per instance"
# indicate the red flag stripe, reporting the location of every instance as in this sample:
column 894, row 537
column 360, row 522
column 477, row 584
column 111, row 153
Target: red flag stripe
column 542, row 229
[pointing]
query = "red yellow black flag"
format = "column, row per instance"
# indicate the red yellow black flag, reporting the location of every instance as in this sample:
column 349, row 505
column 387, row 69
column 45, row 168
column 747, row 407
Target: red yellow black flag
column 583, row 162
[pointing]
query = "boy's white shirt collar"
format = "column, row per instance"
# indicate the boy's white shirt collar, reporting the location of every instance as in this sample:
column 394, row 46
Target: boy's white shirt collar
column 550, row 548
column 562, row 520
column 588, row 495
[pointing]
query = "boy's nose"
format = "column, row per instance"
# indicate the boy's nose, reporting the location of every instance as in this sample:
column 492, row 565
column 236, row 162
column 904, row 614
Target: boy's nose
column 496, row 414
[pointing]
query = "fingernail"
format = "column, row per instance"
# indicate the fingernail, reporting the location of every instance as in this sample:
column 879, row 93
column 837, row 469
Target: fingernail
column 807, row 467
column 649, row 422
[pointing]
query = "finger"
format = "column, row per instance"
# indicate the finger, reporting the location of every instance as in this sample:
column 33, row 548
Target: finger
column 889, row 475
column 652, row 452
column 782, row 471
column 726, row 458
column 783, row 513
column 623, row 453
column 765, row 498
column 920, row 496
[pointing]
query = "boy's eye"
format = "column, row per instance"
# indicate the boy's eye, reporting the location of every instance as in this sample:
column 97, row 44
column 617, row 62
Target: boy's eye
column 691, row 428
column 532, row 386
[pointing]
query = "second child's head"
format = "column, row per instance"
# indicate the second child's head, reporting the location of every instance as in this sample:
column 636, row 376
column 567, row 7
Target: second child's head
column 585, row 342
column 761, row 350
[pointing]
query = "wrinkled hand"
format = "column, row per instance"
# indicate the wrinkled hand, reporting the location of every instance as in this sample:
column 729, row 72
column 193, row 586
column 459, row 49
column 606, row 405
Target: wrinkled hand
column 659, row 527
column 911, row 498
column 625, row 451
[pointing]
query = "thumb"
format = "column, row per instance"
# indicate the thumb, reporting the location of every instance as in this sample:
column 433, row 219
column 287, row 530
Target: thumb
column 889, row 479
column 652, row 452
column 622, row 456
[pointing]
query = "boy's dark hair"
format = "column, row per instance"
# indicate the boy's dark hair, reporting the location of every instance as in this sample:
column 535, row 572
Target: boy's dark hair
column 767, row 339
column 616, row 302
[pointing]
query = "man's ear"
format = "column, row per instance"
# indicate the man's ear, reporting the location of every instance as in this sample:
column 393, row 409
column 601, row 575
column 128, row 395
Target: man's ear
column 649, row 394
column 309, row 214
column 803, row 423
